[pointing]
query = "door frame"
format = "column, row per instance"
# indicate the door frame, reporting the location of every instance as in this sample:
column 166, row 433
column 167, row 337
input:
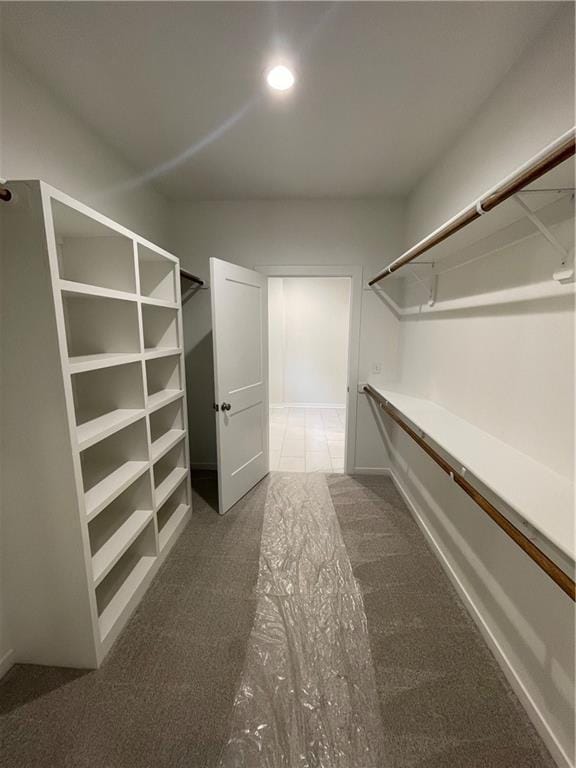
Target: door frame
column 354, row 272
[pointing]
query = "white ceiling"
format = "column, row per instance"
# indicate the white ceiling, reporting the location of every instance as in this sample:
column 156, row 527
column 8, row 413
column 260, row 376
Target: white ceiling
column 177, row 87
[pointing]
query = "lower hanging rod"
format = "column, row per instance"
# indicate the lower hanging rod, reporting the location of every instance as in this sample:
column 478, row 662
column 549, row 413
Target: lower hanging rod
column 5, row 194
column 193, row 278
column 562, row 579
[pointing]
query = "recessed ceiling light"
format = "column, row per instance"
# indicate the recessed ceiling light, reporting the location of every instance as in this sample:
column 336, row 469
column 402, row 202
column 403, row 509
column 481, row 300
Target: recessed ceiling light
column 280, row 78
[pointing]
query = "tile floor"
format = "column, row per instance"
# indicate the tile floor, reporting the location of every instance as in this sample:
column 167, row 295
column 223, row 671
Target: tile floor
column 307, row 439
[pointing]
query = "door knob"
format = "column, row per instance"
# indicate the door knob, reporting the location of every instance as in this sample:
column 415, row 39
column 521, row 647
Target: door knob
column 226, row 406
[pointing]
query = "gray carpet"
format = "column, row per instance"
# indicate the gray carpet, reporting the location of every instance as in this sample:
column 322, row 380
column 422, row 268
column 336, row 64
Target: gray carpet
column 444, row 701
column 164, row 697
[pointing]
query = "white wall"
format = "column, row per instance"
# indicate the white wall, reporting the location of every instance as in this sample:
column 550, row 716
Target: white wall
column 284, row 233
column 42, row 138
column 531, row 107
column 308, row 333
column 509, row 369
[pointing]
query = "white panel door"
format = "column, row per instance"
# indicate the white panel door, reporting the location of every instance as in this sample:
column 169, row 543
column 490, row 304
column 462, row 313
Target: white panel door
column 240, row 340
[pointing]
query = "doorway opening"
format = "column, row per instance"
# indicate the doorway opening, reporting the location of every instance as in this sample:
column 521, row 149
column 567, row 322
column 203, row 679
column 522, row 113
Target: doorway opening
column 308, row 339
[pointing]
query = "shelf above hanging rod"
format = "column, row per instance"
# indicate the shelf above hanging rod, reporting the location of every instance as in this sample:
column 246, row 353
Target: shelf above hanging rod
column 554, row 155
column 459, row 475
column 193, row 278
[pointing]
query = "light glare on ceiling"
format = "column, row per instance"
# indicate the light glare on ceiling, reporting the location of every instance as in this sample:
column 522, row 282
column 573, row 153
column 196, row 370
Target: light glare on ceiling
column 280, row 78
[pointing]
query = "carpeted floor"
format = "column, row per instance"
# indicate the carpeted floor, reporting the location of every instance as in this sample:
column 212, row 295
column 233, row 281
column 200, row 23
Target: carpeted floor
column 443, row 699
column 164, row 697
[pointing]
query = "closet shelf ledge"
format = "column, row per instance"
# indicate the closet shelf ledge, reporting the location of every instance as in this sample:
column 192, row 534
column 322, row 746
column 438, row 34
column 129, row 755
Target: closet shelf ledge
column 538, row 495
column 167, row 531
column 110, row 487
column 165, row 442
column 91, row 432
column 82, row 363
column 158, row 302
column 71, row 288
column 164, row 397
column 169, row 485
column 110, row 553
column 152, row 354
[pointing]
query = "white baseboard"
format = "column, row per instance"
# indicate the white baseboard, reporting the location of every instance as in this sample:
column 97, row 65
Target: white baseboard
column 339, row 406
column 532, row 710
column 6, row 662
column 371, row 471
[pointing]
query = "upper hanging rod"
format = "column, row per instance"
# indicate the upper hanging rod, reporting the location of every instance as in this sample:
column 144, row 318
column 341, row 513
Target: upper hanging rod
column 545, row 161
column 5, row 194
column 189, row 276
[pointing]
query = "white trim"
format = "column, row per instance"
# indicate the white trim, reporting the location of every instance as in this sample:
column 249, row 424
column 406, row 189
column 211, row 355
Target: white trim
column 354, row 272
column 337, row 406
column 7, row 662
column 536, row 717
column 371, row 471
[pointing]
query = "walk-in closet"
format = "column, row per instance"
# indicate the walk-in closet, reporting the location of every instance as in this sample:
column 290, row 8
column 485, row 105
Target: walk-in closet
column 287, row 384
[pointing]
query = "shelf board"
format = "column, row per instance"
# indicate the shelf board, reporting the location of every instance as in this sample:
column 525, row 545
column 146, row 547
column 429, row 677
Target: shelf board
column 169, row 485
column 104, row 492
column 108, row 555
column 151, row 354
column 93, row 431
column 164, row 397
column 168, row 440
column 85, row 289
column 83, row 363
column 168, row 529
column 158, row 302
column 537, row 494
column 116, row 608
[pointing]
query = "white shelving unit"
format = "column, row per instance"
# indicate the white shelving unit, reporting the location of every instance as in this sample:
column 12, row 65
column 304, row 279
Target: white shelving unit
column 97, row 482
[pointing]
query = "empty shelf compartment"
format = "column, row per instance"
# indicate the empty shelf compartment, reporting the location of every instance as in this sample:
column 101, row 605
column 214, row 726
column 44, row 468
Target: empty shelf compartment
column 160, row 328
column 111, row 465
column 107, row 400
column 157, row 275
column 169, row 471
column 90, row 252
column 166, row 428
column 114, row 529
column 119, row 590
column 163, row 380
column 171, row 514
column 100, row 326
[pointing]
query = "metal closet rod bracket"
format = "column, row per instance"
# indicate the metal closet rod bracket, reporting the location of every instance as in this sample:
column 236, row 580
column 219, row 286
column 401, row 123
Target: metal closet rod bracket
column 565, row 274
column 430, row 281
